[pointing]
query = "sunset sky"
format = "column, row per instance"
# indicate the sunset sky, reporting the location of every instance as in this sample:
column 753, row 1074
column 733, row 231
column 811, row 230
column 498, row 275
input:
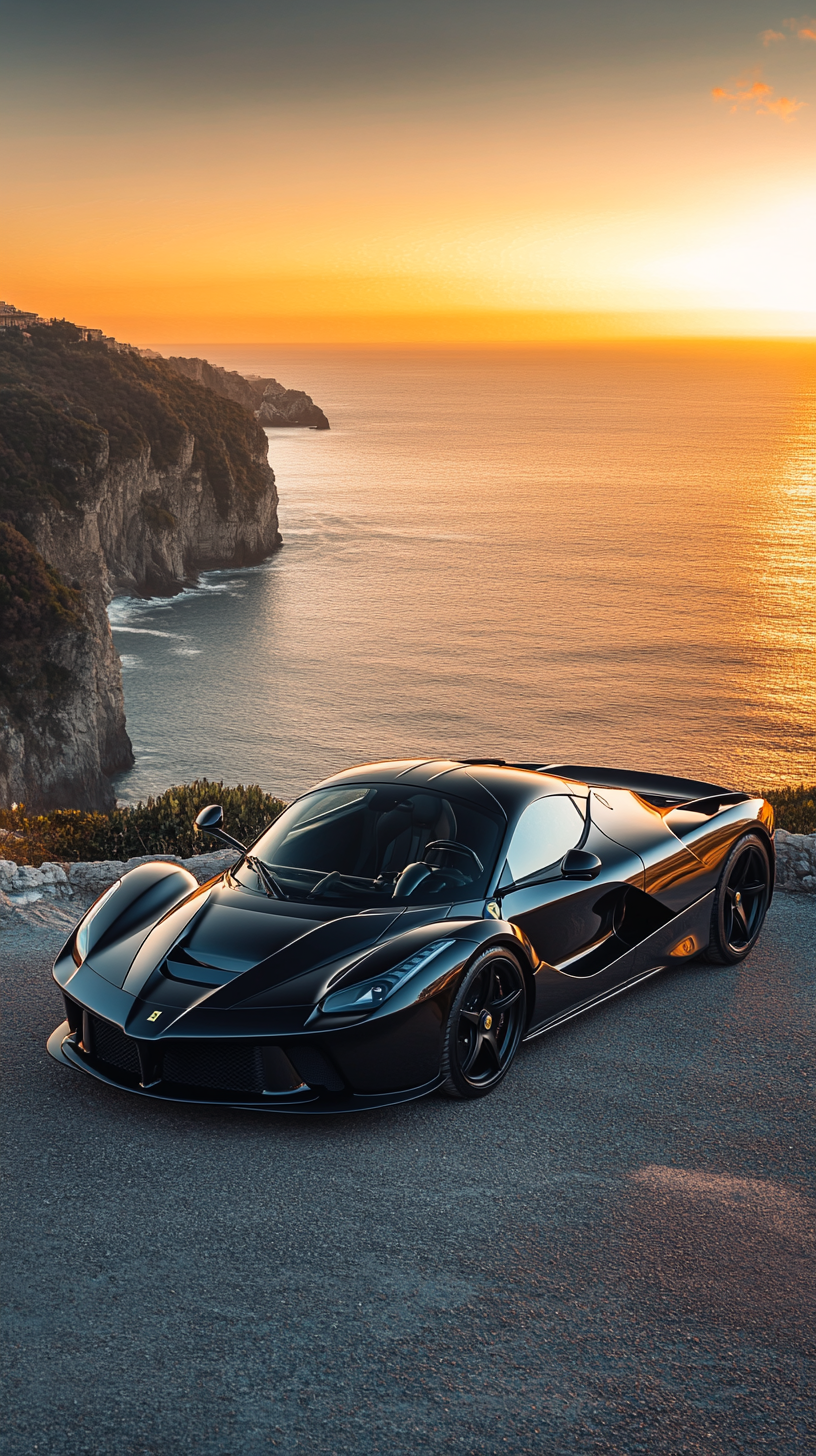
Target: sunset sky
column 360, row 170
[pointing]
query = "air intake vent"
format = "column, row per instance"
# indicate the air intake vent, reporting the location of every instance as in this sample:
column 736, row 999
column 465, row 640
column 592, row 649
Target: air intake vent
column 226, row 1066
column 111, row 1047
column 314, row 1067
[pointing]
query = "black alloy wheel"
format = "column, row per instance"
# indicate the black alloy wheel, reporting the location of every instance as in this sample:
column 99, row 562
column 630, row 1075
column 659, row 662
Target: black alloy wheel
column 741, row 902
column 485, row 1025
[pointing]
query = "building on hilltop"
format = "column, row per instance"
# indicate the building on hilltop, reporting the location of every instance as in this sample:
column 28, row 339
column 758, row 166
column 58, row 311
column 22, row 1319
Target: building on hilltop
column 96, row 336
column 17, row 318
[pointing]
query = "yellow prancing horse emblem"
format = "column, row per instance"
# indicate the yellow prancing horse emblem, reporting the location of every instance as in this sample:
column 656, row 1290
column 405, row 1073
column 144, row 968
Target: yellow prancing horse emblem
column 494, row 910
column 154, row 1016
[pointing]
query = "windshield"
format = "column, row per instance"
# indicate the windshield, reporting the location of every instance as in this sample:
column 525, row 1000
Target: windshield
column 371, row 844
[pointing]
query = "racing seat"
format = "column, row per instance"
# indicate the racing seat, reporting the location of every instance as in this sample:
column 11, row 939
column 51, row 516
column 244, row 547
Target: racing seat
column 404, row 831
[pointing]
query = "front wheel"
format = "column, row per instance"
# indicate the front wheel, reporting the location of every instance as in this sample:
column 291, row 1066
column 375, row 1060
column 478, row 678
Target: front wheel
column 741, row 901
column 485, row 1025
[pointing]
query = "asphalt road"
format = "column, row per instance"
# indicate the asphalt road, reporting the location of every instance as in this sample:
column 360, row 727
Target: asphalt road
column 610, row 1254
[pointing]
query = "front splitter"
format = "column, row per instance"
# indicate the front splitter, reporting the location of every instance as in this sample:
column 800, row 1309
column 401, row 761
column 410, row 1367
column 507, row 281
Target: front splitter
column 313, row 1102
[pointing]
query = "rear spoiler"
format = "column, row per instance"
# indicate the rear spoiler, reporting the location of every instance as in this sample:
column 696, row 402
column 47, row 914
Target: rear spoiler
column 659, row 789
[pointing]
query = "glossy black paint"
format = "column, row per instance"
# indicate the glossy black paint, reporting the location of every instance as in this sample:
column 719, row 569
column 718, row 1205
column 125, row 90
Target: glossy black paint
column 214, row 993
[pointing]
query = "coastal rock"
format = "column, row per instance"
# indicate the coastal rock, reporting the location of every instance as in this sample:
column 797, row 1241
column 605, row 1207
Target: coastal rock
column 118, row 476
column 290, row 409
column 62, row 718
column 147, row 530
column 272, row 404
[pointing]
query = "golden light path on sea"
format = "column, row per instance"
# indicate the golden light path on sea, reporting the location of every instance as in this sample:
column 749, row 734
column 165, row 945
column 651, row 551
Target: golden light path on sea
column 781, row 629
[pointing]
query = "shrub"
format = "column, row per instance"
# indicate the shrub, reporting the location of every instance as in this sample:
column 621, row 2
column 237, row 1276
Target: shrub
column 162, row 825
column 795, row 808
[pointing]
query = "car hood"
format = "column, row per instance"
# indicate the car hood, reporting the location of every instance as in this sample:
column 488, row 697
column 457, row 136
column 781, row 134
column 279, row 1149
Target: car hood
column 226, row 944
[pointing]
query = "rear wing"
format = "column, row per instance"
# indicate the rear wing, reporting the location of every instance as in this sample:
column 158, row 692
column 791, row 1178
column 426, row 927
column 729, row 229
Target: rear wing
column 659, row 789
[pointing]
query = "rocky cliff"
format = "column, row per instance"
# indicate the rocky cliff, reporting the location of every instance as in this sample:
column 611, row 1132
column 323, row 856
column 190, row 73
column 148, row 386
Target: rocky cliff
column 116, row 475
column 62, row 718
column 270, row 402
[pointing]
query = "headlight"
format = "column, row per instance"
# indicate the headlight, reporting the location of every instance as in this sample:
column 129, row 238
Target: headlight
column 368, row 995
column 84, row 931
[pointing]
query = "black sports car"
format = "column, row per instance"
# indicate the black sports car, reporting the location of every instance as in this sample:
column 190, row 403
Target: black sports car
column 403, row 927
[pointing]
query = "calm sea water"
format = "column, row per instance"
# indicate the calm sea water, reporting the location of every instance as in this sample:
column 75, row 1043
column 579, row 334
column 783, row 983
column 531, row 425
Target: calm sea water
column 594, row 555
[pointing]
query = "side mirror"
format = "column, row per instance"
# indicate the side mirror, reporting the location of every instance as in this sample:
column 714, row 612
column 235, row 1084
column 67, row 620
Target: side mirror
column 579, row 864
column 210, row 818
column 210, row 821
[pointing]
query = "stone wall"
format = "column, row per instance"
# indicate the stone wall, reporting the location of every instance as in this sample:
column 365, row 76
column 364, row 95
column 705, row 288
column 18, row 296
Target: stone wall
column 795, row 861
column 22, row 885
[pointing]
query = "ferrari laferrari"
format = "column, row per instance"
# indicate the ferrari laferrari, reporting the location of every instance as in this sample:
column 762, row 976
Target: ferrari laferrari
column 402, row 928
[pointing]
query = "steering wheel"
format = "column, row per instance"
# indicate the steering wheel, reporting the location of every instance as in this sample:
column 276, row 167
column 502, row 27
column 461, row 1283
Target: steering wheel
column 453, row 847
column 415, row 874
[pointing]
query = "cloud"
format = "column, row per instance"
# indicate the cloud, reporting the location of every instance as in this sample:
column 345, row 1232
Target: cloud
column 805, row 27
column 756, row 92
column 784, row 106
column 769, row 36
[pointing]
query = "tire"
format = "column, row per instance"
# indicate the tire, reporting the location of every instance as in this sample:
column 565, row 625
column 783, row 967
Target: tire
column 485, row 1025
column 740, row 902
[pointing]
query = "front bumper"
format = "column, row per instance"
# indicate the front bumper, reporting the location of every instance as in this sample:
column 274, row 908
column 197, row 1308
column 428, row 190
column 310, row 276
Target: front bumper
column 65, row 1047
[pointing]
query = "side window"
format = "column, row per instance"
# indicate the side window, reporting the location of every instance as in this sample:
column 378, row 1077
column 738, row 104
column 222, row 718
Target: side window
column 544, row 833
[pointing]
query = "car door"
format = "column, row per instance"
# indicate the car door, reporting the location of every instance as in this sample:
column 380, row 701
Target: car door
column 569, row 922
column 562, row 918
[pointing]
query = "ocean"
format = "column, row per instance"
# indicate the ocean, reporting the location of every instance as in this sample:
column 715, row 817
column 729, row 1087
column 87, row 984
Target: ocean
column 600, row 555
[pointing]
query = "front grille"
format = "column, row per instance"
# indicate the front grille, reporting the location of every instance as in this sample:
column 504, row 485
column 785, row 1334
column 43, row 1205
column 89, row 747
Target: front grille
column 225, row 1066
column 220, row 1066
column 112, row 1047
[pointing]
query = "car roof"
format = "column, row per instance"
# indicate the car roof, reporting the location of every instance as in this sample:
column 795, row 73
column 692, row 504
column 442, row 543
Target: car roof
column 485, row 784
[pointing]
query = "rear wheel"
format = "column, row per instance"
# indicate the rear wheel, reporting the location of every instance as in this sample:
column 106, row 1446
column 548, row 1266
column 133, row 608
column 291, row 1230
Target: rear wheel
column 741, row 901
column 485, row 1025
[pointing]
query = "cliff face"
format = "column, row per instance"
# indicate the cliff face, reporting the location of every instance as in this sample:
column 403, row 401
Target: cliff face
column 225, row 382
column 148, row 531
column 270, row 402
column 289, row 408
column 62, row 718
column 115, row 476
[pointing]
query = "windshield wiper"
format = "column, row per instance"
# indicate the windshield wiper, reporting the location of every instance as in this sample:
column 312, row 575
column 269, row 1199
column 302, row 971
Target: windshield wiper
column 273, row 887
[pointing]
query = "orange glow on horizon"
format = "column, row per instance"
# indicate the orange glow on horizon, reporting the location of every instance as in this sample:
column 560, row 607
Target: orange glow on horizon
column 474, row 329
column 597, row 205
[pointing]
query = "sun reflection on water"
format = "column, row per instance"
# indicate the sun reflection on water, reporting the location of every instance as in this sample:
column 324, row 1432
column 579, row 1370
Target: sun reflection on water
column 780, row 658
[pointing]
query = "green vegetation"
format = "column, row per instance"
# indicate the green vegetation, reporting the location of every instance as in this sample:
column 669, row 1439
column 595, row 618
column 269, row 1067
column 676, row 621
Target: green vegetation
column 795, row 808
column 36, row 607
column 66, row 405
column 163, row 825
